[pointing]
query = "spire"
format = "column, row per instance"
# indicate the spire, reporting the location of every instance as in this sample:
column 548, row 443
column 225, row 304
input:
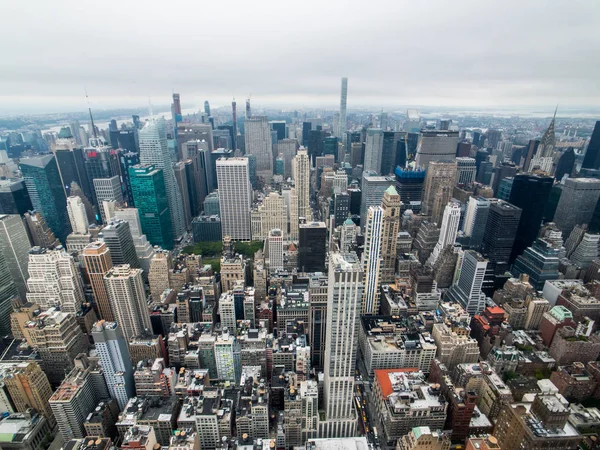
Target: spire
column 548, row 141
column 91, row 117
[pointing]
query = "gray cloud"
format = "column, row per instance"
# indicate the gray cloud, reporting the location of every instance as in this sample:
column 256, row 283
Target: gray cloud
column 432, row 52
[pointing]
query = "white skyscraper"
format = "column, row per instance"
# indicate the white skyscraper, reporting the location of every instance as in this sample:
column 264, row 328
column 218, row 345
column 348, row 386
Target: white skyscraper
column 344, row 294
column 227, row 312
column 143, row 248
column 54, row 280
column 235, row 198
column 15, row 245
column 125, row 290
column 343, row 98
column 77, row 215
column 373, row 150
column 153, row 150
column 371, row 260
column 275, row 245
column 467, row 289
column 115, row 360
column 448, row 231
column 108, row 190
column 259, row 144
column 301, row 174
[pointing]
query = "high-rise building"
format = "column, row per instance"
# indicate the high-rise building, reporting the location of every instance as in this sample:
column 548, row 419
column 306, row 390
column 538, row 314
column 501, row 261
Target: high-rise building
column 343, row 98
column 466, row 169
column 373, row 187
column 150, row 196
column 344, row 294
column 312, row 247
column 115, row 360
column 14, row 198
column 467, row 289
column 592, row 154
column 505, row 170
column 119, row 241
column 47, row 193
column 448, row 231
column 258, row 143
column 270, row 214
column 301, row 174
column 108, row 190
column 391, row 205
column 143, row 248
column 275, row 246
column 371, row 260
column 437, row 191
column 577, row 203
column 14, row 246
column 154, row 151
column 77, row 215
column 125, row 290
column 409, row 184
column 97, row 262
column 476, row 217
column 158, row 274
column 499, row 234
column 540, row 262
column 436, row 146
column 28, row 387
column 54, row 280
column 565, row 164
column 373, row 150
column 41, row 235
column 287, row 148
column 179, row 169
column 8, row 292
column 530, row 193
column 235, row 197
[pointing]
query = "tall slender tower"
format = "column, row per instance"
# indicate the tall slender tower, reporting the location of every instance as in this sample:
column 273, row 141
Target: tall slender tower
column 344, row 294
column 97, row 262
column 235, row 197
column 343, row 98
column 235, row 129
column 448, row 231
column 248, row 109
column 392, row 206
column 77, row 215
column 15, row 245
column 301, row 173
column 126, row 290
column 371, row 260
column 153, row 150
column 373, row 150
column 259, row 144
column 8, row 292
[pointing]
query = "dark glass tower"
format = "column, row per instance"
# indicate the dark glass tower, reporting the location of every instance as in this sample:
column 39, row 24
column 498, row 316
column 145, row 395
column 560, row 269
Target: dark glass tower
column 565, row 164
column 530, row 193
column 389, row 152
column 14, row 198
column 71, row 166
column 44, row 185
column 592, row 155
column 409, row 184
column 540, row 262
column 499, row 234
column 330, row 146
column 312, row 247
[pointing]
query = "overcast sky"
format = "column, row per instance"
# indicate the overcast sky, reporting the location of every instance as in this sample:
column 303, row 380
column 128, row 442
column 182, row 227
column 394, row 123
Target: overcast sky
column 486, row 53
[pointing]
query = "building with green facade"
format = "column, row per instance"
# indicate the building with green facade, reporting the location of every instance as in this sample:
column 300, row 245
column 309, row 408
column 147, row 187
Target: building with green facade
column 150, row 197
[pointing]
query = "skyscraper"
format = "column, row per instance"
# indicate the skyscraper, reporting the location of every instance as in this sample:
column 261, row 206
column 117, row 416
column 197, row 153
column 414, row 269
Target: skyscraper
column 41, row 235
column 14, row 198
column 275, row 250
column 97, row 262
column 409, row 185
column 125, row 289
column 343, row 98
column 47, row 193
column 565, row 164
column 14, row 246
column 577, row 203
column 235, row 128
column 371, row 260
column 530, row 193
column 115, row 360
column 28, row 387
column 475, row 220
column 8, row 292
column 540, row 262
column 77, row 215
column 592, row 154
column 108, row 190
column 153, row 150
column 150, row 196
column 373, row 150
column 436, row 146
column 301, row 174
column 182, row 182
column 467, row 289
column 258, row 143
column 438, row 189
column 235, row 197
column 287, row 148
column 117, row 237
column 499, row 234
column 448, row 231
column 391, row 205
column 466, row 170
column 312, row 247
column 344, row 294
column 548, row 141
column 373, row 187
column 54, row 280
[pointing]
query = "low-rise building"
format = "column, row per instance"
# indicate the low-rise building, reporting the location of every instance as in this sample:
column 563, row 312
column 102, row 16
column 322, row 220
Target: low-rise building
column 573, row 381
column 23, row 431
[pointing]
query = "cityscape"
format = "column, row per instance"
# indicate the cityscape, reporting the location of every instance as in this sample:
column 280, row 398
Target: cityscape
column 330, row 261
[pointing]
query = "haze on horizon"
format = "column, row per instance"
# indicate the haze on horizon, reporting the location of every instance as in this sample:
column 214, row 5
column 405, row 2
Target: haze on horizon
column 467, row 54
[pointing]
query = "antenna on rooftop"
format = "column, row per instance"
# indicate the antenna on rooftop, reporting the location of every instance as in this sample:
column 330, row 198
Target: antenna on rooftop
column 90, row 110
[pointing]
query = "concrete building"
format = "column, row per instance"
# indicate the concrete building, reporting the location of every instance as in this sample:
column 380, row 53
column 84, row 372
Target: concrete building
column 28, row 387
column 438, row 188
column 466, row 170
column 454, row 345
column 119, row 240
column 77, row 215
column 259, row 143
column 97, row 262
column 448, row 231
column 275, row 245
column 301, row 174
column 467, row 289
column 435, row 146
column 108, row 190
column 23, row 431
column 391, row 206
column 15, row 245
column 577, row 203
column 269, row 215
column 373, row 187
column 423, row 438
column 373, row 150
column 235, row 197
column 371, row 260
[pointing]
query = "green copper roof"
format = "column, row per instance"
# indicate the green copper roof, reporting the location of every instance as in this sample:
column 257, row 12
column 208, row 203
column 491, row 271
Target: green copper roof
column 348, row 221
column 391, row 190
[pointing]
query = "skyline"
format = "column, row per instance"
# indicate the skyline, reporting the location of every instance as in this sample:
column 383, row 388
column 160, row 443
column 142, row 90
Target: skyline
column 469, row 55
